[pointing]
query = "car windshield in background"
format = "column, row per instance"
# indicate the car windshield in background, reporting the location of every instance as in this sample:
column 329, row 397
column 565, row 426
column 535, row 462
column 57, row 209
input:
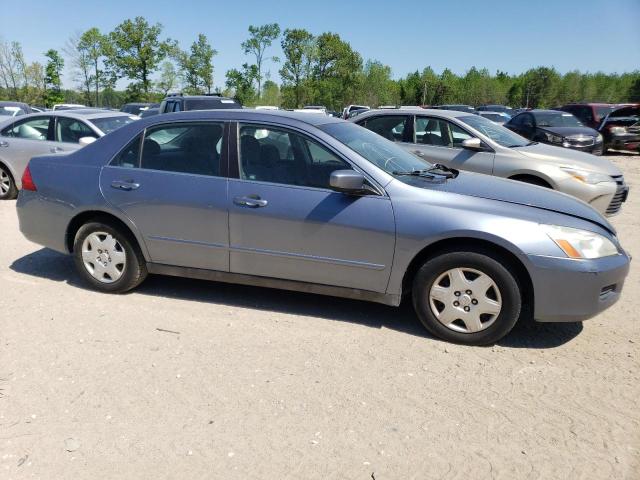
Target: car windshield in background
column 603, row 111
column 497, row 133
column 557, row 120
column 494, row 117
column 109, row 124
column 11, row 111
column 376, row 149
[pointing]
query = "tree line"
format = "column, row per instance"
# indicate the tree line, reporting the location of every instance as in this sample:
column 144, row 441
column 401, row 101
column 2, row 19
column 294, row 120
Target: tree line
column 314, row 69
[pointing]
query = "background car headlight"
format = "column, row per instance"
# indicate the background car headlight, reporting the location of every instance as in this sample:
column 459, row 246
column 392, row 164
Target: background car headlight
column 553, row 138
column 599, row 138
column 586, row 176
column 618, row 130
column 577, row 243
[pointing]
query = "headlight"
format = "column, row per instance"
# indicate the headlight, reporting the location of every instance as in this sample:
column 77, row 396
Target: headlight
column 599, row 138
column 618, row 130
column 577, row 243
column 553, row 138
column 586, row 176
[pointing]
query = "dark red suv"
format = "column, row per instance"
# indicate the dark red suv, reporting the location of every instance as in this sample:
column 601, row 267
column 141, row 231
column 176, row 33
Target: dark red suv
column 590, row 114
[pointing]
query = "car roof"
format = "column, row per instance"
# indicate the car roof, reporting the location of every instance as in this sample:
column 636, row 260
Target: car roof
column 546, row 110
column 79, row 114
column 414, row 111
column 12, row 104
column 243, row 114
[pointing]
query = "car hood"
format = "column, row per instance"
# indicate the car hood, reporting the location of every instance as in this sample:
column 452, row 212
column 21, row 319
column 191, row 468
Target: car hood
column 511, row 191
column 568, row 157
column 566, row 131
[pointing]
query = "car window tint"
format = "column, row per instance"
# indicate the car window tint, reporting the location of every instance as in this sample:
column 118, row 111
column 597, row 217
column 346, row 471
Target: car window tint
column 390, row 127
column 129, row 156
column 280, row 156
column 183, row 147
column 70, row 130
column 32, row 129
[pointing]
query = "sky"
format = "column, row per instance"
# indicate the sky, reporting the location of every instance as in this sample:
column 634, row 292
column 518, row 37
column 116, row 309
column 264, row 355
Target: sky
column 512, row 36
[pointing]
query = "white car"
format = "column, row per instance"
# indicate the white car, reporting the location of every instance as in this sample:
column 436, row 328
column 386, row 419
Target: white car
column 67, row 106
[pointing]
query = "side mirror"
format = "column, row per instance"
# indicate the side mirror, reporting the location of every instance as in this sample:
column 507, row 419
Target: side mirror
column 472, row 144
column 347, row 181
column 84, row 141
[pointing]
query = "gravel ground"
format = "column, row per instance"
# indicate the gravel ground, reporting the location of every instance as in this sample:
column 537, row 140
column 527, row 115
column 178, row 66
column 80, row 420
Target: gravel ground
column 190, row 379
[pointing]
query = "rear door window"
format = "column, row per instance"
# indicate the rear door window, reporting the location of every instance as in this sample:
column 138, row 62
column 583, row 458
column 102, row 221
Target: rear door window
column 391, row 127
column 31, row 129
column 193, row 148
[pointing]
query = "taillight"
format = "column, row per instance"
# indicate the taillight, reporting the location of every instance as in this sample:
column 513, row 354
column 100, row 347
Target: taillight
column 27, row 181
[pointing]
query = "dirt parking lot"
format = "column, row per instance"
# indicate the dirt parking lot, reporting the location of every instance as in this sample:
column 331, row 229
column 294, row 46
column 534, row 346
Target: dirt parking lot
column 190, row 379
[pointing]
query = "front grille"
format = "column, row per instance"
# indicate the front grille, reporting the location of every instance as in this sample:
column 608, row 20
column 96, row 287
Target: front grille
column 616, row 201
column 582, row 141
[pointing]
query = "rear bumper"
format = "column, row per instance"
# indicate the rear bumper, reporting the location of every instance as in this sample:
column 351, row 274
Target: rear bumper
column 624, row 142
column 567, row 290
column 42, row 222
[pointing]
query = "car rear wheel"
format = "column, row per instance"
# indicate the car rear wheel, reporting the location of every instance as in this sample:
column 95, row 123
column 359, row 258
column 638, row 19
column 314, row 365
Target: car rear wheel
column 8, row 190
column 467, row 297
column 107, row 258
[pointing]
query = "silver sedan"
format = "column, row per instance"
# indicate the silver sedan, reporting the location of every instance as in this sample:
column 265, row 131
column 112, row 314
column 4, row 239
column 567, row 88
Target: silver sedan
column 469, row 142
column 53, row 132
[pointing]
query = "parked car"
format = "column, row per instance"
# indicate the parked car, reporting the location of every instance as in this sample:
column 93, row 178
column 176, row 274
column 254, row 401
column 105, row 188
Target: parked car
column 138, row 108
column 621, row 128
column 149, row 112
column 316, row 111
column 68, row 106
column 470, row 142
column 182, row 103
column 556, row 128
column 53, row 132
column 456, row 108
column 496, row 108
column 313, row 203
column 14, row 109
column 350, row 109
column 496, row 117
column 590, row 114
column 267, row 107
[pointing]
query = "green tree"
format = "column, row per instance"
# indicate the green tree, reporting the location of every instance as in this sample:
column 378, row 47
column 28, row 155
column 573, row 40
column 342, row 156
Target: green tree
column 260, row 38
column 52, row 77
column 91, row 45
column 135, row 51
column 197, row 66
column 271, row 93
column 377, row 86
column 168, row 78
column 241, row 83
column 298, row 48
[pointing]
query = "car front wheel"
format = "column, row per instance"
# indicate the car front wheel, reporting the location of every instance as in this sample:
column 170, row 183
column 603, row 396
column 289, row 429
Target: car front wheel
column 467, row 297
column 108, row 259
column 8, row 190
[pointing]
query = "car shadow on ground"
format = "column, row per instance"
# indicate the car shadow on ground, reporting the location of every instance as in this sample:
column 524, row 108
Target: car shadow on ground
column 47, row 264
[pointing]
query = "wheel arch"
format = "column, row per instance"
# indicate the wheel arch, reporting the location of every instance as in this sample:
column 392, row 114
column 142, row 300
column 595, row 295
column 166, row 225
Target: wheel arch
column 537, row 176
column 477, row 245
column 9, row 169
column 103, row 216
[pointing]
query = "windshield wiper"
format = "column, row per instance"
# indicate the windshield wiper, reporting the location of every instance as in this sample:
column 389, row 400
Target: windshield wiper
column 437, row 170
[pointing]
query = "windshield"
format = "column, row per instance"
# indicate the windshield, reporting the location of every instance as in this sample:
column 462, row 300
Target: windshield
column 499, row 134
column 109, row 124
column 552, row 119
column 603, row 111
column 376, row 149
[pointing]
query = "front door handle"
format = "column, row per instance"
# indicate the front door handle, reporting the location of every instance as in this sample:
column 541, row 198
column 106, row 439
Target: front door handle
column 56, row 150
column 125, row 185
column 4, row 144
column 251, row 201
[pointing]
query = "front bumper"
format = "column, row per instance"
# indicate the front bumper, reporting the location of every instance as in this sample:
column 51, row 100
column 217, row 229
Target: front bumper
column 599, row 195
column 625, row 142
column 567, row 290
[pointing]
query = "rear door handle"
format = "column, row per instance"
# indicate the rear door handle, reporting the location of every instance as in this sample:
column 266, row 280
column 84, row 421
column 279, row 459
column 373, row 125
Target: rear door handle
column 56, row 149
column 4, row 144
column 251, row 201
column 125, row 185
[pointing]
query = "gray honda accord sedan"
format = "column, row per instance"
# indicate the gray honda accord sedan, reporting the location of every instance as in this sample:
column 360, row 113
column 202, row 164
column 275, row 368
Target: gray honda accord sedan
column 316, row 204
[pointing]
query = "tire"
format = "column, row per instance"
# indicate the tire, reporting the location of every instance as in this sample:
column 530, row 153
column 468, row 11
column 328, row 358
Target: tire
column 458, row 325
column 122, row 266
column 8, row 189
